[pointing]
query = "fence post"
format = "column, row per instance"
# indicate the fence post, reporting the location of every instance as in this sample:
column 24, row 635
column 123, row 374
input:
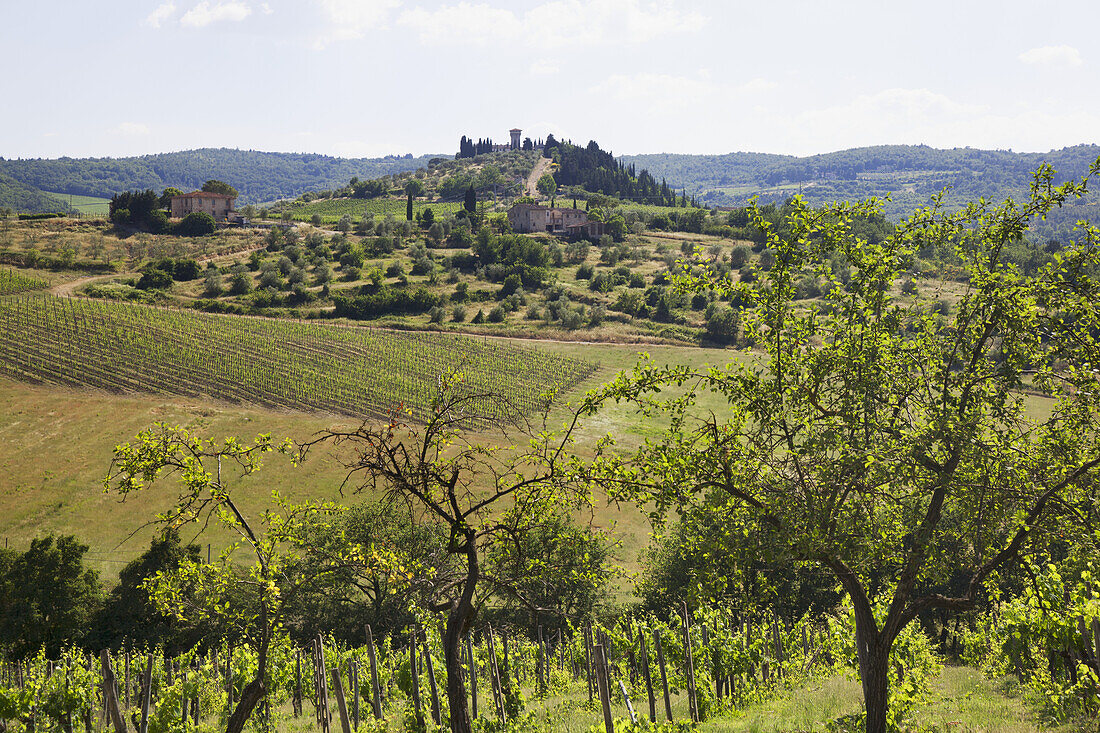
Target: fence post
column 647, row 675
column 689, row 663
column 414, row 644
column 341, row 703
column 664, row 673
column 601, row 683
column 146, row 693
column 110, row 692
column 376, row 689
column 436, row 717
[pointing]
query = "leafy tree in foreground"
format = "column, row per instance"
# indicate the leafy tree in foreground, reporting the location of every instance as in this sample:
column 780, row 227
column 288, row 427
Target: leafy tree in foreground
column 248, row 601
column 883, row 441
column 480, row 495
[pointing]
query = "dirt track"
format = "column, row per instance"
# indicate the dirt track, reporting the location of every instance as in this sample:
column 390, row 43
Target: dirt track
column 532, row 187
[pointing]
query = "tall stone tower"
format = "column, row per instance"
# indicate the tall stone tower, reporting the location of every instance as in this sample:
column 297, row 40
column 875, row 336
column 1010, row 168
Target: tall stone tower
column 515, row 138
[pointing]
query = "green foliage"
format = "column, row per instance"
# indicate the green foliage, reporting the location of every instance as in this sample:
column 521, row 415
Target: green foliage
column 1045, row 638
column 196, row 224
column 887, row 444
column 265, row 362
column 559, row 567
column 12, row 282
column 259, row 176
column 47, row 596
column 216, row 186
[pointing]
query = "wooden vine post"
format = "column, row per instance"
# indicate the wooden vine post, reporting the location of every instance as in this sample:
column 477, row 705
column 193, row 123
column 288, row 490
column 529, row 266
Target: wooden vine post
column 601, row 683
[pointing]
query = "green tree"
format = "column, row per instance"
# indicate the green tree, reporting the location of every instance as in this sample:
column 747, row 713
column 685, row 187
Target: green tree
column 166, row 196
column 553, row 571
column 546, row 184
column 886, row 443
column 245, row 596
column 128, row 611
column 196, row 224
column 470, row 201
column 47, row 597
column 213, row 186
column 414, row 188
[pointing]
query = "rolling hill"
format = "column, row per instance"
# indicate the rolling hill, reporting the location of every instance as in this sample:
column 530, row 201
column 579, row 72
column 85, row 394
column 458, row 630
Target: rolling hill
column 258, row 176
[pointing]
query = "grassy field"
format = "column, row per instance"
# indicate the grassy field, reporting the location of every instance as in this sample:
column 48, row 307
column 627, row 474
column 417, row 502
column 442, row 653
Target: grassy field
column 58, row 445
column 962, row 700
column 331, row 210
column 84, row 204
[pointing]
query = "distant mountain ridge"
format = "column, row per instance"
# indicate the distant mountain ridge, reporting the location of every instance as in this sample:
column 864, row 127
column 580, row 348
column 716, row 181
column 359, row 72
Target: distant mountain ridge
column 909, row 174
column 258, row 176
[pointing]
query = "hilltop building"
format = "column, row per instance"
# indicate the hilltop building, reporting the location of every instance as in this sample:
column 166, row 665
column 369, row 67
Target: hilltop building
column 527, row 218
column 218, row 205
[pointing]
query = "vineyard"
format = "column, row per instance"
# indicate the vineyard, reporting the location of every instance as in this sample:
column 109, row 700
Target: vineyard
column 12, row 282
column 125, row 347
column 691, row 668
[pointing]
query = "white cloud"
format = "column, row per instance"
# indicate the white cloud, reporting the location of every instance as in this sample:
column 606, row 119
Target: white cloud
column 350, row 19
column 1064, row 56
column 656, row 92
column 266, row 9
column 131, row 128
column 670, row 93
column 757, row 85
column 163, row 12
column 204, row 13
column 544, row 67
column 553, row 24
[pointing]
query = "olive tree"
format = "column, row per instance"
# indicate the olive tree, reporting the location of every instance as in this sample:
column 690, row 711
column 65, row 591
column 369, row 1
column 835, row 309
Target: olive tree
column 875, row 437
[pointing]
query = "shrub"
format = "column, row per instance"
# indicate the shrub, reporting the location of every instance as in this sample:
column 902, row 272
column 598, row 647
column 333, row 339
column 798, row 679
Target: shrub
column 496, row 315
column 479, row 317
column 154, row 280
column 458, row 315
column 196, row 224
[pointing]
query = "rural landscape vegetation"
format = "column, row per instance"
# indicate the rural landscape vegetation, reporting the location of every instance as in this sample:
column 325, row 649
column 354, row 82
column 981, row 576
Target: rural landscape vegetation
column 528, row 434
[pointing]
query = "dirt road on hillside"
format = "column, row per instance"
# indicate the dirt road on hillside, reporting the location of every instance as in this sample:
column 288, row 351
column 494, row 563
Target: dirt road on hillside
column 532, row 187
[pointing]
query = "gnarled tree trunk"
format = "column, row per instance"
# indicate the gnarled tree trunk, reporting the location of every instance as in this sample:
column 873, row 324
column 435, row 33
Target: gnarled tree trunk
column 458, row 621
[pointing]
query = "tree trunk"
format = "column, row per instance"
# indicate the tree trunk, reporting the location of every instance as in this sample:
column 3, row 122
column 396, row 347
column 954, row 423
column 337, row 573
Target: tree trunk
column 253, row 692
column 458, row 620
column 874, row 669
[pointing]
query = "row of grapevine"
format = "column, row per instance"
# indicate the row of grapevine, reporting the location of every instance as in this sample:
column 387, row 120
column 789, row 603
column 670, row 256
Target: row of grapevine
column 12, row 282
column 1049, row 639
column 359, row 372
column 690, row 668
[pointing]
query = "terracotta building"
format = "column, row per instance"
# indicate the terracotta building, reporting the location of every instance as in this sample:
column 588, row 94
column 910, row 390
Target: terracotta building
column 218, row 205
column 526, row 218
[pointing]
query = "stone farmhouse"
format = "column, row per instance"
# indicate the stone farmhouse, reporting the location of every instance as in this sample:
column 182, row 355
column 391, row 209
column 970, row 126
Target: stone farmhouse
column 527, row 218
column 218, row 205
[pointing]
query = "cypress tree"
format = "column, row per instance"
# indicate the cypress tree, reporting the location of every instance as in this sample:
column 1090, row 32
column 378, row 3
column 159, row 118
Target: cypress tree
column 409, row 208
column 470, row 203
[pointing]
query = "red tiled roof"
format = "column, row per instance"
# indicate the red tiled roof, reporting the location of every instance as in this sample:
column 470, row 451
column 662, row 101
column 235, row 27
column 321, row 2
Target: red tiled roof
column 204, row 195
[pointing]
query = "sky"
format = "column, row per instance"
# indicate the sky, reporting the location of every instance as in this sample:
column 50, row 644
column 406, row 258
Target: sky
column 366, row 78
